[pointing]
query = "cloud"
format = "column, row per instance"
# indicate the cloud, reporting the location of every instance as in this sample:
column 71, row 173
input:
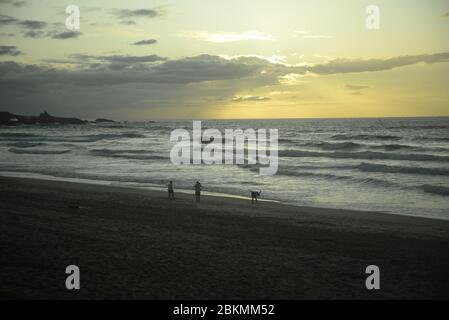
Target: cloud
column 66, row 35
column 132, row 59
column 249, row 98
column 108, row 62
column 109, row 71
column 370, row 65
column 128, row 22
column 139, row 13
column 204, row 68
column 275, row 59
column 9, row 51
column 121, row 82
column 16, row 3
column 156, row 69
column 120, row 58
column 34, row 34
column 290, row 78
column 226, row 37
column 128, row 16
column 38, row 29
column 24, row 24
column 144, row 42
column 32, row 24
column 103, row 70
column 7, row 20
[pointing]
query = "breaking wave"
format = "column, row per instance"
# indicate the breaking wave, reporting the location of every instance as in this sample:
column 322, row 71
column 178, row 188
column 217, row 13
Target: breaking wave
column 443, row 191
column 370, row 167
column 362, row 155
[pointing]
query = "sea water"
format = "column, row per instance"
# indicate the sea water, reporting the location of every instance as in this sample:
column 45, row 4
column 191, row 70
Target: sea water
column 398, row 165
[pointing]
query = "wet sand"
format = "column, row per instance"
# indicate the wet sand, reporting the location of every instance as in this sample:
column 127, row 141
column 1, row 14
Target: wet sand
column 136, row 244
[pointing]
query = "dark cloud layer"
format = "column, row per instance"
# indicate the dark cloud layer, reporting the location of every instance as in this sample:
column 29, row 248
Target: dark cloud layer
column 16, row 3
column 39, row 29
column 9, row 51
column 7, row 20
column 128, row 22
column 144, row 42
column 66, row 35
column 117, row 80
column 32, row 24
column 113, row 62
column 24, row 24
column 206, row 68
column 33, row 34
column 126, row 13
column 370, row 65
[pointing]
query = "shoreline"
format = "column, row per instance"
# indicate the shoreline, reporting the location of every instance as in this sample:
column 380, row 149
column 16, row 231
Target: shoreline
column 157, row 188
column 137, row 244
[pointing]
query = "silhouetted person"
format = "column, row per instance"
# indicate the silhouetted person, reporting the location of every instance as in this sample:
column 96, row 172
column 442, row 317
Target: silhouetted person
column 171, row 192
column 197, row 191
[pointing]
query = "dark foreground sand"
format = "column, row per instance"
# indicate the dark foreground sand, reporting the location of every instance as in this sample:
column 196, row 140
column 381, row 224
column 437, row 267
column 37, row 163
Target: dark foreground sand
column 137, row 244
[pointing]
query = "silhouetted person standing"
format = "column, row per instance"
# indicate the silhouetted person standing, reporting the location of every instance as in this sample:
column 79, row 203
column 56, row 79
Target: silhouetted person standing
column 197, row 191
column 171, row 192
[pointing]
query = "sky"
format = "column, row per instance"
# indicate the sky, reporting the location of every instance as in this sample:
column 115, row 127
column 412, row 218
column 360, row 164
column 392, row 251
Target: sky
column 209, row 59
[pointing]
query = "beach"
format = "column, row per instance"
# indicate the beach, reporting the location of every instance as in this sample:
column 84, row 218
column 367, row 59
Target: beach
column 136, row 244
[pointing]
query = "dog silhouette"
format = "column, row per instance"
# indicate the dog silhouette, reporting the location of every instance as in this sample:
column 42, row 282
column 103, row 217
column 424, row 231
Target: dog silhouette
column 255, row 195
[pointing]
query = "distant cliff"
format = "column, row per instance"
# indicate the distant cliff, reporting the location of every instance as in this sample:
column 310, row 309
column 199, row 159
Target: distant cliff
column 9, row 119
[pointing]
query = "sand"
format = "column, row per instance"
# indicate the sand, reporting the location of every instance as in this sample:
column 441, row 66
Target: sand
column 136, row 244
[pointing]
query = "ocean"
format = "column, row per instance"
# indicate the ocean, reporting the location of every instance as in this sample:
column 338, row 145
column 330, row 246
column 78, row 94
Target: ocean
column 392, row 165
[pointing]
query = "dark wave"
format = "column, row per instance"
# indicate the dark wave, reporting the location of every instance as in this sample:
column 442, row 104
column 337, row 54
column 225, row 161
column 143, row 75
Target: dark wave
column 25, row 144
column 349, row 145
column 370, row 167
column 328, row 176
column 335, row 145
column 75, row 139
column 16, row 135
column 299, row 172
column 419, row 127
column 97, row 137
column 432, row 138
column 365, row 137
column 440, row 190
column 285, row 140
column 395, row 147
column 126, row 154
column 34, row 151
column 362, row 155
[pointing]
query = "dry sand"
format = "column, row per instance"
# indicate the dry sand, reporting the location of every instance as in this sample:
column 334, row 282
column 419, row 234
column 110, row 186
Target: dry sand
column 136, row 244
